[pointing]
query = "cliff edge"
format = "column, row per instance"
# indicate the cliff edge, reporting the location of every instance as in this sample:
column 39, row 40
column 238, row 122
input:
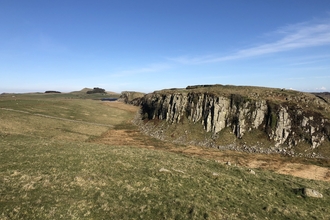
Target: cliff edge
column 253, row 119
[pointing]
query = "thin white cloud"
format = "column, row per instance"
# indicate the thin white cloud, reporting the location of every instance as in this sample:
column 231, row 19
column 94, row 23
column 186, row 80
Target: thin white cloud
column 321, row 89
column 293, row 37
column 143, row 70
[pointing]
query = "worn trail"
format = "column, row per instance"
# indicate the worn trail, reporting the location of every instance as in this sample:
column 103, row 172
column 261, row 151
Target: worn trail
column 274, row 162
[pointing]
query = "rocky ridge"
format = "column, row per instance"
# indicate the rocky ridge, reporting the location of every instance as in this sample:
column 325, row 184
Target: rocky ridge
column 131, row 97
column 288, row 118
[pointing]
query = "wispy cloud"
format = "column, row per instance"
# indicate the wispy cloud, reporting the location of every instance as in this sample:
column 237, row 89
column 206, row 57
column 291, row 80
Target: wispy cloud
column 291, row 37
column 321, row 89
column 148, row 69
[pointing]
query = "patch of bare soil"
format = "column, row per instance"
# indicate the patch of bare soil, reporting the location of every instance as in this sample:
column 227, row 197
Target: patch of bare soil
column 277, row 163
column 306, row 171
column 295, row 169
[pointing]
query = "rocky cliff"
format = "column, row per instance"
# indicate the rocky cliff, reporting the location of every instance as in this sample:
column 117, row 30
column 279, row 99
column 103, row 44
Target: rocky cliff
column 131, row 97
column 287, row 118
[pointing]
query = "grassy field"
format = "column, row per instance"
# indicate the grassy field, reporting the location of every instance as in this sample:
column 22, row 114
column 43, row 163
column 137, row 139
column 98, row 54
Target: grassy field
column 63, row 157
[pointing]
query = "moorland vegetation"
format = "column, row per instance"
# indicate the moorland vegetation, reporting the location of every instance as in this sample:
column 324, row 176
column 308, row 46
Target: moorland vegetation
column 71, row 156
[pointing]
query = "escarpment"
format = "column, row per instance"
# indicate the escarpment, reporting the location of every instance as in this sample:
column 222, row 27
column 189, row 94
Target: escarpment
column 287, row 118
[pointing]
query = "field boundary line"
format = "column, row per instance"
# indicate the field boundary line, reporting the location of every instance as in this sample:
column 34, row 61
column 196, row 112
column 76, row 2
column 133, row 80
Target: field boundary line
column 57, row 118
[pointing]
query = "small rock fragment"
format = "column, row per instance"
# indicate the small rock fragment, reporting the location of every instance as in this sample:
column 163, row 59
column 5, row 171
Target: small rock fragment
column 311, row 193
column 180, row 171
column 164, row 170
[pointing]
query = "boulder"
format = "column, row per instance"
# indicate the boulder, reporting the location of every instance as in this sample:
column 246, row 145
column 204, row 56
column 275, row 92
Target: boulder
column 307, row 192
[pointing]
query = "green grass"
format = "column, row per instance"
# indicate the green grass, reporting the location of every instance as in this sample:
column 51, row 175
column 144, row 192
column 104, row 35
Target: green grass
column 43, row 179
column 77, row 109
column 50, row 169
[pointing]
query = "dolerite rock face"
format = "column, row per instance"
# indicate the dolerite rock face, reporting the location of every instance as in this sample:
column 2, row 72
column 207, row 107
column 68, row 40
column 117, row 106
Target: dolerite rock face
column 282, row 130
column 285, row 122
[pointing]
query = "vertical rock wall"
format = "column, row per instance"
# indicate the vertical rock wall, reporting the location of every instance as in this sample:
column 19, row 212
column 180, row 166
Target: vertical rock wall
column 283, row 123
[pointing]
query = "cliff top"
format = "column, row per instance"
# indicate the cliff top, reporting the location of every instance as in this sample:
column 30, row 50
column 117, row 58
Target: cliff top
column 319, row 102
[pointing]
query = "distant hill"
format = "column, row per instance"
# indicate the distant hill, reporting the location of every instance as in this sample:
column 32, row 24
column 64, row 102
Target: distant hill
column 83, row 91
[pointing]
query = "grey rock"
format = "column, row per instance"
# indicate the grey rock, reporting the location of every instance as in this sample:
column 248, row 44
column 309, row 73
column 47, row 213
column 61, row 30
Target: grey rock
column 284, row 124
column 311, row 193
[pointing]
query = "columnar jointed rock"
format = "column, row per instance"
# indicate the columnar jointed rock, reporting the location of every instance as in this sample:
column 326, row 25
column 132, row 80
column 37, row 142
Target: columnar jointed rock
column 283, row 123
column 283, row 127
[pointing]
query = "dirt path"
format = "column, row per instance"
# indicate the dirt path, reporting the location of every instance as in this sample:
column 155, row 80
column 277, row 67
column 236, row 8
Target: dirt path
column 277, row 163
column 305, row 171
column 284, row 165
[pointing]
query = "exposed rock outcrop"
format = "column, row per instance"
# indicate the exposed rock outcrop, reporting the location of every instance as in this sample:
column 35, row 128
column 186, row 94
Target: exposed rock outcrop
column 311, row 193
column 130, row 97
column 285, row 122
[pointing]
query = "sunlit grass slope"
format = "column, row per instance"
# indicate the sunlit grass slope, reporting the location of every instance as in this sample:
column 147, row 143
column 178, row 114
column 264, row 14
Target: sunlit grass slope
column 50, row 168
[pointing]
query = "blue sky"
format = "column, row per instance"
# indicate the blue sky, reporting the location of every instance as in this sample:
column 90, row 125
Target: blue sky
column 147, row 45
